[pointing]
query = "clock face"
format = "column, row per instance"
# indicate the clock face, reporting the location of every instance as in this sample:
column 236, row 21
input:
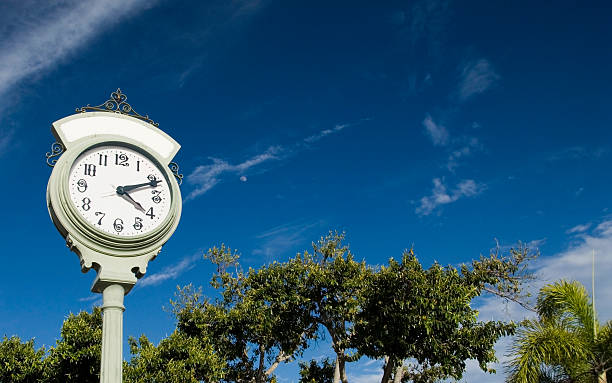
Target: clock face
column 119, row 190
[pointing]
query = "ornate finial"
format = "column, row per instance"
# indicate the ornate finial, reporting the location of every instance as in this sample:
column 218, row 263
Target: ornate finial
column 118, row 104
column 174, row 169
column 56, row 150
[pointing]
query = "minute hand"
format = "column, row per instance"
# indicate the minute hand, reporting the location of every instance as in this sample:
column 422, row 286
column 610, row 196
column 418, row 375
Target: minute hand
column 127, row 188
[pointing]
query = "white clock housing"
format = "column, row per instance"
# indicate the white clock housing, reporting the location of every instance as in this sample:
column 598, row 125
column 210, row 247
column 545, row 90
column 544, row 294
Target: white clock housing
column 112, row 195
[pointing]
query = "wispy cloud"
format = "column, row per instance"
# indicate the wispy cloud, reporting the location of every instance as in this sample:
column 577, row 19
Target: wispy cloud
column 466, row 149
column 6, row 137
column 170, row 272
column 437, row 132
column 279, row 239
column 576, row 153
column 44, row 35
column 205, row 177
column 324, row 133
column 440, row 195
column 476, row 77
column 579, row 228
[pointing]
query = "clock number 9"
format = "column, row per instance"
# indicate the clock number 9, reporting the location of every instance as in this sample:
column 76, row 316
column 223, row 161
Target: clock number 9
column 118, row 225
column 81, row 185
column 138, row 223
column 86, row 202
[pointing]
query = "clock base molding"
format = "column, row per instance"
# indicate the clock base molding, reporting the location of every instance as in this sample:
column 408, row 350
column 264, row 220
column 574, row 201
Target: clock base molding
column 124, row 271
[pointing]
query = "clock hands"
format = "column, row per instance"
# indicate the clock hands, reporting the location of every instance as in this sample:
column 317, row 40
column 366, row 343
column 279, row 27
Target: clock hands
column 136, row 204
column 123, row 191
column 127, row 188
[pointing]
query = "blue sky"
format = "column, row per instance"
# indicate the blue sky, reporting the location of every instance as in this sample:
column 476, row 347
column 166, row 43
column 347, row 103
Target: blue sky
column 435, row 124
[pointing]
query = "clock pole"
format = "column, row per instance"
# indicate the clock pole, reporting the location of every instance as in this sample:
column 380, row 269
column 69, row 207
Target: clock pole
column 112, row 334
column 119, row 257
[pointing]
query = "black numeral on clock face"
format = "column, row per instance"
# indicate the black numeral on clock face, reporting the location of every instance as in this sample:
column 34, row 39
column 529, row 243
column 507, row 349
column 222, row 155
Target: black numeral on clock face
column 103, row 159
column 102, row 214
column 137, row 166
column 121, row 159
column 118, row 225
column 86, row 204
column 81, row 185
column 137, row 223
column 156, row 198
column 90, row 170
column 150, row 212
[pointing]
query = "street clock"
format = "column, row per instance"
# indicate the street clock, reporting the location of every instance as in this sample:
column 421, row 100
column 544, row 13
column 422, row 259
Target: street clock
column 114, row 196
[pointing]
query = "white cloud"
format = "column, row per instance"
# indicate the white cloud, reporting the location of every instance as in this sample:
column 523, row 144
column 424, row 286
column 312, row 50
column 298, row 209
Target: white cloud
column 280, row 239
column 467, row 149
column 325, row 132
column 476, row 77
column 441, row 196
column 5, row 139
column 438, row 133
column 579, row 228
column 45, row 35
column 170, row 272
column 205, row 177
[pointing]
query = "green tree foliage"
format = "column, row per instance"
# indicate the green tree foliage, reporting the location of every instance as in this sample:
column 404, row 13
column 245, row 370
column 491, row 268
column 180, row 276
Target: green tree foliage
column 74, row 358
column 176, row 359
column 314, row 372
column 76, row 355
column 20, row 362
column 566, row 342
column 259, row 321
column 267, row 316
column 425, row 314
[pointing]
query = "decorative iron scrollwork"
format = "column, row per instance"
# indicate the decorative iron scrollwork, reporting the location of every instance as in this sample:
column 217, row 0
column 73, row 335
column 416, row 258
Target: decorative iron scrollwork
column 56, row 150
column 174, row 168
column 118, row 104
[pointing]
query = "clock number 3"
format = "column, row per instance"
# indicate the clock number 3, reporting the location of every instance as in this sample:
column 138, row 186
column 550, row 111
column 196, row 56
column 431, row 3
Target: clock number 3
column 86, row 202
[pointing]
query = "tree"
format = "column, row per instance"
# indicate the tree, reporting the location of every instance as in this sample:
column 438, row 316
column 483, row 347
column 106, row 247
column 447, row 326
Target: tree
column 20, row 362
column 76, row 355
column 565, row 342
column 259, row 321
column 315, row 373
column 334, row 285
column 176, row 359
column 408, row 312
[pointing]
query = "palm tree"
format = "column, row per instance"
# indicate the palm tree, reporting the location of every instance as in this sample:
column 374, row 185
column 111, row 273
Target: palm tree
column 566, row 343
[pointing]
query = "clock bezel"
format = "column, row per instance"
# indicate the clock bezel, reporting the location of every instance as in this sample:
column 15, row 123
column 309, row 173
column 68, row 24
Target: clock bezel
column 69, row 220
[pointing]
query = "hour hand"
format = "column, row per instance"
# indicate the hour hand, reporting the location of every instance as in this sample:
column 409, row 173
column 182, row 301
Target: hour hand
column 136, row 204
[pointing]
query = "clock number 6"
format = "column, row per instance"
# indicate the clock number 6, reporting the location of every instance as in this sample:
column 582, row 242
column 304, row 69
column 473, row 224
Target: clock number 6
column 118, row 225
column 86, row 202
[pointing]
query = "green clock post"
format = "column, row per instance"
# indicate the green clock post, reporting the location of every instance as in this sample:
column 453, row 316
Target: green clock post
column 114, row 196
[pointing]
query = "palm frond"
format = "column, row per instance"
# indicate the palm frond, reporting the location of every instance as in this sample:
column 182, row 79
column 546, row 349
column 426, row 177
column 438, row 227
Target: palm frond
column 568, row 302
column 540, row 344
